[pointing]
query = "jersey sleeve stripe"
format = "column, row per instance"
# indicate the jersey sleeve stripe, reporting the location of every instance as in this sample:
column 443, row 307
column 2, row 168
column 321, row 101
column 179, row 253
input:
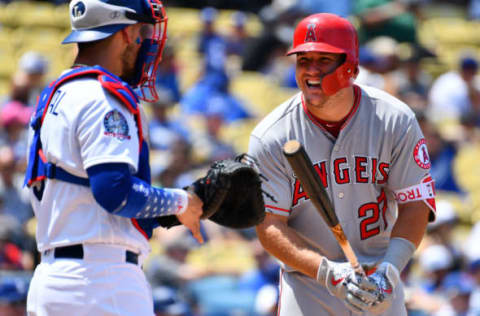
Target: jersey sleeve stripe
column 277, row 208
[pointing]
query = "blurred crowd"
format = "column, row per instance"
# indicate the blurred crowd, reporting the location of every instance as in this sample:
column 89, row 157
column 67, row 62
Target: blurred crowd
column 231, row 274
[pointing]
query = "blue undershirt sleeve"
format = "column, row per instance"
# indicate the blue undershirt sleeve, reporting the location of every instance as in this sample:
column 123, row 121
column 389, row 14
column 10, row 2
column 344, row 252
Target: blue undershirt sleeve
column 122, row 194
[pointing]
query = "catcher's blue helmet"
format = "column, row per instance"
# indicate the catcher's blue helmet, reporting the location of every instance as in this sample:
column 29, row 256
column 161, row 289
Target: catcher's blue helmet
column 93, row 20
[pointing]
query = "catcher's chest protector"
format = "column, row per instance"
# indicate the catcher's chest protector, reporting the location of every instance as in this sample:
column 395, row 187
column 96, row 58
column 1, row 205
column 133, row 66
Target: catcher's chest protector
column 39, row 169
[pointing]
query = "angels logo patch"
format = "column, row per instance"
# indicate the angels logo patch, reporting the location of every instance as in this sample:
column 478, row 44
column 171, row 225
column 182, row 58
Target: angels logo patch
column 116, row 125
column 420, row 154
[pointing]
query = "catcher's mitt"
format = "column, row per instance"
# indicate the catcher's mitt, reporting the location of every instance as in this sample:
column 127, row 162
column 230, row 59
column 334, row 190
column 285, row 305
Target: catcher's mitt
column 231, row 193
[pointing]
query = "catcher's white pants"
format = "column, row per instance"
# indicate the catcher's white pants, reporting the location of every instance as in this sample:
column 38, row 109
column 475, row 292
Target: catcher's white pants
column 103, row 285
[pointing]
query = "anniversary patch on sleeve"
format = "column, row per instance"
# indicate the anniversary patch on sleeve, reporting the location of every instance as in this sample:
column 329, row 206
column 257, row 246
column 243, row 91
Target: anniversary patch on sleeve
column 116, row 125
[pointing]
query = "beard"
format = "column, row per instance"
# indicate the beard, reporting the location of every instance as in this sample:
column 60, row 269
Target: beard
column 129, row 59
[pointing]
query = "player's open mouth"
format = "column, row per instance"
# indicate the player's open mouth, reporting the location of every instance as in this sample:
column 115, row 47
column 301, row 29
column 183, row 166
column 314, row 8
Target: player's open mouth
column 314, row 83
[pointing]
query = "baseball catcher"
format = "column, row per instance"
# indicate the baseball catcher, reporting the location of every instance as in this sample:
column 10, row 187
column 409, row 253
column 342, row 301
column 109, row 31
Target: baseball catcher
column 231, row 193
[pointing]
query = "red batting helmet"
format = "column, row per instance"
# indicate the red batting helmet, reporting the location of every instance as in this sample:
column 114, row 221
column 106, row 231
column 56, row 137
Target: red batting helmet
column 329, row 33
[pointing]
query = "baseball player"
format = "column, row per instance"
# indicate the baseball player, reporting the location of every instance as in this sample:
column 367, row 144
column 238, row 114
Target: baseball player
column 88, row 169
column 370, row 155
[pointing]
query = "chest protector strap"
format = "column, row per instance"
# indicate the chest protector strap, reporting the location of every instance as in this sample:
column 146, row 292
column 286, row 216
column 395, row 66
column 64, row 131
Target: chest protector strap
column 39, row 168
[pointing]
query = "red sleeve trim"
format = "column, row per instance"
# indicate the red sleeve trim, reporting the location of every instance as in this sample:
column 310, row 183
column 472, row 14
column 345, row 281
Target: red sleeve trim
column 135, row 223
column 277, row 208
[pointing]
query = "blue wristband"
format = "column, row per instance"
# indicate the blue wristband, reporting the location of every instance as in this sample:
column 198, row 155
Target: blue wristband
column 120, row 193
column 145, row 201
column 399, row 252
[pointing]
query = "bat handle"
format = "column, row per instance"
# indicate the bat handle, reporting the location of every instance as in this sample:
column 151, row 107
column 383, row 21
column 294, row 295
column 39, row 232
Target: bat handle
column 347, row 250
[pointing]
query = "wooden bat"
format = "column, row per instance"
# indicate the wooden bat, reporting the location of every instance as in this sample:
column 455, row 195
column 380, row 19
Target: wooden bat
column 303, row 168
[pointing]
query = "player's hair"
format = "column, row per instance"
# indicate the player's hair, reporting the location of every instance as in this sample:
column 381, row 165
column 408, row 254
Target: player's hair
column 87, row 47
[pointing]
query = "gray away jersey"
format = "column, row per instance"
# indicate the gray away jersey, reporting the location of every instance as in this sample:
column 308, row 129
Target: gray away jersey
column 378, row 156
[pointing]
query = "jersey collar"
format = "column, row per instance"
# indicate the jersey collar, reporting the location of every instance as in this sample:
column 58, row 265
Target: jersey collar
column 356, row 102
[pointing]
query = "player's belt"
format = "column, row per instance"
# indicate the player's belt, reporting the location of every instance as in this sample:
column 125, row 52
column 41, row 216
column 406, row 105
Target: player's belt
column 76, row 252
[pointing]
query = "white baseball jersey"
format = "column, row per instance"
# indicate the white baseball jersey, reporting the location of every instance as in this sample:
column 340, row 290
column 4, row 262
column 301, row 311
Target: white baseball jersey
column 379, row 156
column 85, row 126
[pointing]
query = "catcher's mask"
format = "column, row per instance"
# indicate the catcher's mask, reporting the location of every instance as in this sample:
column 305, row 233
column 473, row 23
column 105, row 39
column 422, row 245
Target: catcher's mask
column 93, row 20
column 329, row 33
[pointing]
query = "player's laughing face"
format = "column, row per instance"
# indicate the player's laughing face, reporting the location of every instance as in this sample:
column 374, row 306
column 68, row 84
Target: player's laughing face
column 311, row 68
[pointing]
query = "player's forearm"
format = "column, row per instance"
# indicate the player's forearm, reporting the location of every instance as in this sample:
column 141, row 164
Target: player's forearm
column 286, row 245
column 407, row 234
column 411, row 222
column 119, row 193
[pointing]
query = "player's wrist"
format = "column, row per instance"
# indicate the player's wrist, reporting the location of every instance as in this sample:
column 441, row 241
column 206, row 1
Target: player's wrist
column 182, row 198
column 399, row 253
column 322, row 271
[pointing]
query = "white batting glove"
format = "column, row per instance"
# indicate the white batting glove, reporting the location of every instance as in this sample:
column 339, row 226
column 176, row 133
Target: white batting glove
column 341, row 281
column 383, row 282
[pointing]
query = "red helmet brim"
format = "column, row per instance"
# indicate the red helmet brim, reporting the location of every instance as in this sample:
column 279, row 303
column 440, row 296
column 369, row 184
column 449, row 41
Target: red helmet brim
column 315, row 47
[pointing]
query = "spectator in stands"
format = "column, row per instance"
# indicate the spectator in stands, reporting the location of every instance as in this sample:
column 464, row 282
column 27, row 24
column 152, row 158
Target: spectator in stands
column 393, row 18
column 457, row 288
column 28, row 80
column 412, row 82
column 442, row 154
column 265, row 272
column 262, row 52
column 167, row 302
column 440, row 232
column 13, row 296
column 177, row 169
column 472, row 251
column 211, row 44
column 339, row 7
column 10, row 252
column 379, row 60
column 167, row 76
column 436, row 262
column 474, row 9
column 208, row 16
column 171, row 269
column 163, row 130
column 14, row 118
column 470, row 123
column 238, row 37
column 214, row 88
column 474, row 269
column 208, row 143
column 13, row 203
column 370, row 69
column 454, row 93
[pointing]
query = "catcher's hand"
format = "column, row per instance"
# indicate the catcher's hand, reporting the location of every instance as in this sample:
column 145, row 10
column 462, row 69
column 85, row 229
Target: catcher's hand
column 190, row 218
column 231, row 194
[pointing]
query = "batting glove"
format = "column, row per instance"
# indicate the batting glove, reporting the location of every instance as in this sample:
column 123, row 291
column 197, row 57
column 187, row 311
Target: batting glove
column 384, row 282
column 340, row 280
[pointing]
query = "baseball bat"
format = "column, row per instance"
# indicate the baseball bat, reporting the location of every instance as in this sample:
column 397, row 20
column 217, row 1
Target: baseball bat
column 304, row 171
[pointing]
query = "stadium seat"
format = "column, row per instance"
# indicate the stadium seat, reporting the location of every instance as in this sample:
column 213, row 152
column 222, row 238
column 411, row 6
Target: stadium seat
column 8, row 62
column 34, row 14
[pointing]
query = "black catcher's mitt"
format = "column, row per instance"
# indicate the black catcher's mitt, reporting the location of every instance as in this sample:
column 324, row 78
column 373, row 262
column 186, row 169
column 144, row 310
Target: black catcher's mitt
column 231, row 193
